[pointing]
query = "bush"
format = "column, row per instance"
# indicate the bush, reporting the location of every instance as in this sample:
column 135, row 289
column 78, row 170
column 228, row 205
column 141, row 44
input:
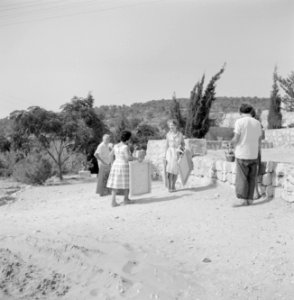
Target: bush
column 34, row 169
column 75, row 163
column 7, row 163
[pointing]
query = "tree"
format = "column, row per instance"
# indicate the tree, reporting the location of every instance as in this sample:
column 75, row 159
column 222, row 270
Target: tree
column 287, row 84
column 91, row 129
column 4, row 144
column 144, row 132
column 44, row 130
column 175, row 112
column 76, row 128
column 122, row 124
column 200, row 105
column 274, row 117
column 195, row 98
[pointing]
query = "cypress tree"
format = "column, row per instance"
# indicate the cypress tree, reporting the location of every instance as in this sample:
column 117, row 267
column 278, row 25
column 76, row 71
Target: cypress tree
column 200, row 104
column 175, row 112
column 274, row 117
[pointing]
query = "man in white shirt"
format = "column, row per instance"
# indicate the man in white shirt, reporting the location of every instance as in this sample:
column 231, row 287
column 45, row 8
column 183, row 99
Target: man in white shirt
column 247, row 141
column 103, row 155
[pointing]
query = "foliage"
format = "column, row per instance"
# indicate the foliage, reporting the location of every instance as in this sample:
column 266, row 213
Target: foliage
column 8, row 161
column 175, row 113
column 287, row 84
column 76, row 128
column 274, row 115
column 121, row 125
column 200, row 105
column 34, row 169
column 145, row 132
column 76, row 162
column 195, row 99
column 80, row 111
column 4, row 144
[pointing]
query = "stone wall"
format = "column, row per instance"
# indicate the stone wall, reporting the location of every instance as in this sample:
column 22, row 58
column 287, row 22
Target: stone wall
column 274, row 175
column 280, row 137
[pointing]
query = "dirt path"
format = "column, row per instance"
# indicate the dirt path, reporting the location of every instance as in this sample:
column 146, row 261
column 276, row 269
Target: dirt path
column 64, row 242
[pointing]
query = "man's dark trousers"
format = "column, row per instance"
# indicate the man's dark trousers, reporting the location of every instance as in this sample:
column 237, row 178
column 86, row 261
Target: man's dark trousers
column 245, row 178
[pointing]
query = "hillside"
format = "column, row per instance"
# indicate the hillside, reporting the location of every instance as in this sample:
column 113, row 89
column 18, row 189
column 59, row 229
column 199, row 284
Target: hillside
column 156, row 112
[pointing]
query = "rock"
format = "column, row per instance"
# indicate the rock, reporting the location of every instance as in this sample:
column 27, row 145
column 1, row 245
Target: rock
column 206, row 260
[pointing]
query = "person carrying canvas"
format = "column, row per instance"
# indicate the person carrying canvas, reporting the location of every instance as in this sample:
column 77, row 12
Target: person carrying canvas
column 174, row 147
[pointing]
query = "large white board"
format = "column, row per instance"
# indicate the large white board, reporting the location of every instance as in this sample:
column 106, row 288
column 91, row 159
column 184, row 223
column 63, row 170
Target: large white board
column 140, row 178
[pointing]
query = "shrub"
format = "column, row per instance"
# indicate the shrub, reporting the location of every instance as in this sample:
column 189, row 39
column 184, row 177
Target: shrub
column 75, row 163
column 7, row 162
column 34, row 169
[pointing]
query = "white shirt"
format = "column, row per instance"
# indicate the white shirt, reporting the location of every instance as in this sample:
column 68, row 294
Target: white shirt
column 104, row 153
column 250, row 131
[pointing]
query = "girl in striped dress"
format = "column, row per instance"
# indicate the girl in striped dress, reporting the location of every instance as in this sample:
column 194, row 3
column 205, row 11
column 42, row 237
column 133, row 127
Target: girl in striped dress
column 119, row 173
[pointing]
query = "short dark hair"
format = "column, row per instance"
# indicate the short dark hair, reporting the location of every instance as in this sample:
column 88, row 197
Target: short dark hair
column 245, row 108
column 253, row 113
column 125, row 135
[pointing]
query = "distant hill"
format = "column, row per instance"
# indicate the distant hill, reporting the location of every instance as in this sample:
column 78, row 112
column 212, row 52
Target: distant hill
column 156, row 112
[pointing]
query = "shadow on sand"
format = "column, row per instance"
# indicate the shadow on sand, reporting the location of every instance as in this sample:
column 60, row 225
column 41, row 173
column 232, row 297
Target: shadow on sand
column 175, row 195
column 262, row 201
column 209, row 186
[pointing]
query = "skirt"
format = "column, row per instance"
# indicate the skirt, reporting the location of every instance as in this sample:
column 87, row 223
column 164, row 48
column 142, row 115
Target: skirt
column 172, row 161
column 119, row 176
column 102, row 180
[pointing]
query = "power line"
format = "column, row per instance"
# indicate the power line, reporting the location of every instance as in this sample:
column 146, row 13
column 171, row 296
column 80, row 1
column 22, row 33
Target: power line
column 93, row 11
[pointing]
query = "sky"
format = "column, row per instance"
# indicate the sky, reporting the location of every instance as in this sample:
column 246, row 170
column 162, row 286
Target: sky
column 127, row 51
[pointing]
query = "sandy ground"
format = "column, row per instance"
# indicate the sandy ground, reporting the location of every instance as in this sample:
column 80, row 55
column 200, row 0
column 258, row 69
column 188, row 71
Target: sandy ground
column 65, row 242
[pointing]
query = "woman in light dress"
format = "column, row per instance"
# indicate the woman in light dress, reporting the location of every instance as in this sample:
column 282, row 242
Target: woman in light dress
column 119, row 173
column 174, row 147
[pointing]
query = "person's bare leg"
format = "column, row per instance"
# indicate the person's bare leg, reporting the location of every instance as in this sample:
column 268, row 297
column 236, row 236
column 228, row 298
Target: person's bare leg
column 113, row 201
column 174, row 179
column 126, row 197
column 169, row 181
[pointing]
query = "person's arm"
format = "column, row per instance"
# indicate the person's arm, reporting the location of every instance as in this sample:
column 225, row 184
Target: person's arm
column 235, row 139
column 237, row 133
column 165, row 149
column 98, row 156
column 182, row 142
column 100, row 159
column 127, row 153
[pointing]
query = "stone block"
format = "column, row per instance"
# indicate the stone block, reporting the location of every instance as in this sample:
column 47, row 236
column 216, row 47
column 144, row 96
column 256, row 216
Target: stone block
column 219, row 165
column 196, row 146
column 227, row 166
column 288, row 186
column 270, row 166
column 263, row 167
column 262, row 189
column 234, row 168
column 288, row 196
column 224, row 177
column 85, row 174
column 267, row 179
column 269, row 191
column 219, row 175
column 280, row 169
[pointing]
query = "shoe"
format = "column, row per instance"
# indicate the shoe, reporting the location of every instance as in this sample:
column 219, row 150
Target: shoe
column 127, row 201
column 240, row 202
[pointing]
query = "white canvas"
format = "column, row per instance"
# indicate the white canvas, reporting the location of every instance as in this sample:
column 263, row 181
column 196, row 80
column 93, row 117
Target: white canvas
column 140, row 178
column 185, row 165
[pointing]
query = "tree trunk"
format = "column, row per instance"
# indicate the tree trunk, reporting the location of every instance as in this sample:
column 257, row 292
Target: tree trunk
column 60, row 169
